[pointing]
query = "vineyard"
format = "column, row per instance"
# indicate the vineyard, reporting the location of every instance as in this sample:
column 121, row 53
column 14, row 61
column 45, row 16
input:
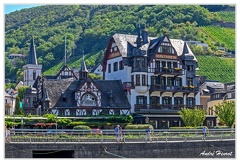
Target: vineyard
column 216, row 68
column 73, row 62
column 222, row 35
column 226, row 16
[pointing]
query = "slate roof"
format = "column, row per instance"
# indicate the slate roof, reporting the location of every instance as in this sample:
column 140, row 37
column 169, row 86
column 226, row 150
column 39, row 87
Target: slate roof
column 123, row 39
column 113, row 88
column 32, row 58
column 65, row 88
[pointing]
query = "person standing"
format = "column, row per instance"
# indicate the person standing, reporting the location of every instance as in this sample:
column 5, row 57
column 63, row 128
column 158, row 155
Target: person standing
column 148, row 135
column 117, row 132
column 204, row 130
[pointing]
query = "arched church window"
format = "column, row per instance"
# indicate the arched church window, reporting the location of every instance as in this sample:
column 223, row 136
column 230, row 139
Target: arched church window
column 34, row 74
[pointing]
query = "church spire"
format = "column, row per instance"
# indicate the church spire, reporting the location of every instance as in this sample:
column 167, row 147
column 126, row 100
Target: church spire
column 32, row 58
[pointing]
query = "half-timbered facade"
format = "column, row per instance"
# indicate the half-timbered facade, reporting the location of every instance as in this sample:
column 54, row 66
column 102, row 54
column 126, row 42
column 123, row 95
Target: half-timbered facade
column 159, row 75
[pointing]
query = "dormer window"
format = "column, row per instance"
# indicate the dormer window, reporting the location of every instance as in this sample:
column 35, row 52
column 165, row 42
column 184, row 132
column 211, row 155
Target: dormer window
column 88, row 100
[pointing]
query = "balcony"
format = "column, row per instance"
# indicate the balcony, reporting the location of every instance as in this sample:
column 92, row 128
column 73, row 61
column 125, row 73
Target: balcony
column 166, row 70
column 164, row 88
column 158, row 108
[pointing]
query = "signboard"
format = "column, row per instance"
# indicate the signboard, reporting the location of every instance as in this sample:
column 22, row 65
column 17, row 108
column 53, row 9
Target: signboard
column 166, row 56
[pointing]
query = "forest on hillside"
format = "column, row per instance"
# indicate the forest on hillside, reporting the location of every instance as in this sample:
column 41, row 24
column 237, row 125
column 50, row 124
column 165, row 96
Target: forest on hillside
column 89, row 27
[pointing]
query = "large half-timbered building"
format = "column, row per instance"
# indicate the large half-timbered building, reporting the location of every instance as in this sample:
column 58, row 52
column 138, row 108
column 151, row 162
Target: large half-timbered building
column 159, row 75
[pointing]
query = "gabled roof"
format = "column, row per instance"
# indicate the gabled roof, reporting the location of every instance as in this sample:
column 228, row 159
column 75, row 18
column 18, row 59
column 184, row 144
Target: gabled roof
column 58, row 89
column 32, row 58
column 122, row 41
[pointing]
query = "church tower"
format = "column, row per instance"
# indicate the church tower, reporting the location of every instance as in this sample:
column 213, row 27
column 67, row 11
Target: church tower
column 31, row 69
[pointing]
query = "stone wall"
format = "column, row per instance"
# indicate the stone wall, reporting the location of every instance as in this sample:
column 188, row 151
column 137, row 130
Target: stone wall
column 199, row 149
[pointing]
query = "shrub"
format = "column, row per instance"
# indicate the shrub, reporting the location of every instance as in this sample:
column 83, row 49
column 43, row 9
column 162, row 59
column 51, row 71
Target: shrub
column 82, row 127
column 139, row 127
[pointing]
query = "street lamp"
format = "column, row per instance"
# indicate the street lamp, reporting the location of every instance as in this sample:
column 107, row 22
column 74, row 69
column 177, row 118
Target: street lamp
column 56, row 124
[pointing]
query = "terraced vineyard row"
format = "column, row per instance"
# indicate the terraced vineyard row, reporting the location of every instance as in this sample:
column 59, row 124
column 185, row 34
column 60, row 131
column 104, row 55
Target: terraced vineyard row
column 216, row 68
column 226, row 16
column 223, row 35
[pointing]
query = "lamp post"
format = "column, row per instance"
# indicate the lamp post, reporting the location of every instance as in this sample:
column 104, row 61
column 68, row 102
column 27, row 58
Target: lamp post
column 56, row 124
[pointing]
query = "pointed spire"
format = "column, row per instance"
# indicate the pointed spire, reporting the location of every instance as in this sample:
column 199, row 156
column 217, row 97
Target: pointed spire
column 83, row 66
column 32, row 58
column 65, row 61
column 83, row 72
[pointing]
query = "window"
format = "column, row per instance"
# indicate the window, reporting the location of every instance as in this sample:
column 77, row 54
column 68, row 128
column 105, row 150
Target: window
column 121, row 66
column 190, row 68
column 178, row 81
column 163, row 64
column 137, row 80
column 132, row 78
column 178, row 100
column 190, row 101
column 144, row 80
column 163, row 80
column 167, row 100
column 34, row 74
column 115, row 66
column 189, row 81
column 141, row 99
column 169, row 81
column 64, row 99
column 88, row 100
column 154, row 100
column 169, row 64
column 153, row 80
column 175, row 64
column 109, row 68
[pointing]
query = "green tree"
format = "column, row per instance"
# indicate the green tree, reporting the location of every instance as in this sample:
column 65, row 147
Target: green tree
column 226, row 112
column 192, row 117
column 18, row 111
column 64, row 122
column 51, row 118
column 21, row 91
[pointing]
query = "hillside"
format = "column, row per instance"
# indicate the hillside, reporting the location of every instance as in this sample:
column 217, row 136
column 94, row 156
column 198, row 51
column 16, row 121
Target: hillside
column 89, row 27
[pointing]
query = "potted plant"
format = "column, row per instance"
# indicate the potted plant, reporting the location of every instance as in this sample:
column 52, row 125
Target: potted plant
column 176, row 68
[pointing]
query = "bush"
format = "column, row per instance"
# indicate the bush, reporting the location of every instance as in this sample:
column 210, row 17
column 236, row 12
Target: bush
column 182, row 128
column 82, row 127
column 221, row 127
column 139, row 127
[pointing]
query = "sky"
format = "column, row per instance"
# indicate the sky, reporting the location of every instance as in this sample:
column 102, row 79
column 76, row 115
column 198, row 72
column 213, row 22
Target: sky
column 8, row 8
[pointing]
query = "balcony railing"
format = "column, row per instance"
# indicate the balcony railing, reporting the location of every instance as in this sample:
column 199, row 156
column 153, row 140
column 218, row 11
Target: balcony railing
column 139, row 69
column 164, row 88
column 128, row 85
column 161, row 108
column 165, row 70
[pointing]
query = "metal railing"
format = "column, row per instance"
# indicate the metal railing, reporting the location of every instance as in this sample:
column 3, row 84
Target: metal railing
column 86, row 136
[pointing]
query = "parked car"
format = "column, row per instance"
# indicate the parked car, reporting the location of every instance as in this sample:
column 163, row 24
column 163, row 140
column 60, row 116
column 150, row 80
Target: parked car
column 96, row 131
column 55, row 132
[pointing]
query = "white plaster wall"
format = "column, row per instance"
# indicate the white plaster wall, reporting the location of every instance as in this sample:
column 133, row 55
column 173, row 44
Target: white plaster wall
column 115, row 75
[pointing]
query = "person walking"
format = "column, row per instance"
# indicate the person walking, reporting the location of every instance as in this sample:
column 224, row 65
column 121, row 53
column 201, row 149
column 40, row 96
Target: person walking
column 204, row 130
column 117, row 132
column 148, row 135
column 8, row 136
